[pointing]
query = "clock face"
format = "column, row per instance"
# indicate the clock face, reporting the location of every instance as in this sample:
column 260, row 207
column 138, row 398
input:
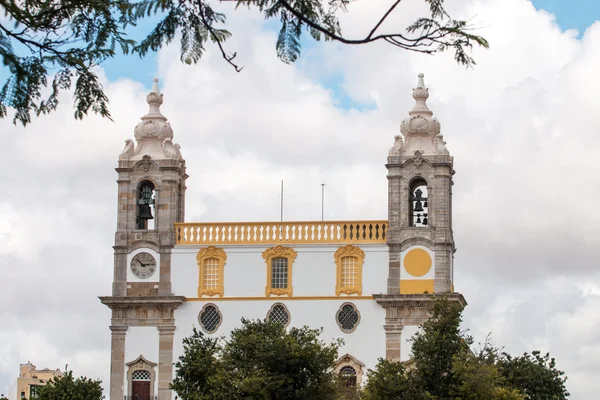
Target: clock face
column 143, row 265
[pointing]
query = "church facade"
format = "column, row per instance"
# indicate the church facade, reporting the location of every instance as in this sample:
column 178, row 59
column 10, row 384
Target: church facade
column 367, row 282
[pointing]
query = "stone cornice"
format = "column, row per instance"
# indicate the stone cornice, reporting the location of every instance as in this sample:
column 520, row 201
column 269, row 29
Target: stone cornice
column 122, row 303
column 416, row 300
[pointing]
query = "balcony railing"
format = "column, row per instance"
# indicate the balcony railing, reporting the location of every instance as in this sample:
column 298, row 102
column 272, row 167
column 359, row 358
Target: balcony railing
column 281, row 232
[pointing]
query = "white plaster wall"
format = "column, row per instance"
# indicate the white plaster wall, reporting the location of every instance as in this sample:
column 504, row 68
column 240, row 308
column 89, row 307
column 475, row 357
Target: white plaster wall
column 155, row 277
column 141, row 340
column 245, row 273
column 429, row 275
column 405, row 344
column 366, row 343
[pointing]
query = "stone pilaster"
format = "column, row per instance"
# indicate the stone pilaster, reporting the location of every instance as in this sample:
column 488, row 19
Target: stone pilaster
column 165, row 361
column 393, row 339
column 117, row 362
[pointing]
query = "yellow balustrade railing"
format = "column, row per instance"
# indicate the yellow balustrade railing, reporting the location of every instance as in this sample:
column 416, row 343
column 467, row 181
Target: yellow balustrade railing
column 281, row 232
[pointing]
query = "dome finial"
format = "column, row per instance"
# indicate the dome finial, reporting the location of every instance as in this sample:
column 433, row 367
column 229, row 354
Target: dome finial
column 420, row 94
column 421, row 81
column 154, row 100
column 155, row 86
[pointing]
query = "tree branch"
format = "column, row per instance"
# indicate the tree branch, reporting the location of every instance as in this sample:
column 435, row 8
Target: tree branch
column 228, row 58
column 383, row 19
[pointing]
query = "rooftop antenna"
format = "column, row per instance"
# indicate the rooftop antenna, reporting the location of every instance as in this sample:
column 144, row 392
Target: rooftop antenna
column 322, row 202
column 281, row 201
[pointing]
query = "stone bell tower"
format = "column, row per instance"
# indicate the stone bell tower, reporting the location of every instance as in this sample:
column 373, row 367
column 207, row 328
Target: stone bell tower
column 419, row 237
column 151, row 199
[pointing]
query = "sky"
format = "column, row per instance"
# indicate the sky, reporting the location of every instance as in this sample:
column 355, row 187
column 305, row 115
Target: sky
column 522, row 127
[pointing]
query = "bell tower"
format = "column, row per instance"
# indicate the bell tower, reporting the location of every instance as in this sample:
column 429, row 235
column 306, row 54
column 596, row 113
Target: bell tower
column 151, row 199
column 420, row 238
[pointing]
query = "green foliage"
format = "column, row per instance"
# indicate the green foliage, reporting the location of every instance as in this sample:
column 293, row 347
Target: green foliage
column 535, row 375
column 2, row 397
column 436, row 345
column 66, row 387
column 261, row 360
column 46, row 44
column 443, row 367
column 390, row 380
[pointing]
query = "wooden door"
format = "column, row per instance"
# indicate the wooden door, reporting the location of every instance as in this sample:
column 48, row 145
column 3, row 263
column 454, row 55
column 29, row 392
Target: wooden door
column 141, row 390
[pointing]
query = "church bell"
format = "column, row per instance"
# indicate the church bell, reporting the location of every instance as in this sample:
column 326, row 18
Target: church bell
column 144, row 212
column 418, row 198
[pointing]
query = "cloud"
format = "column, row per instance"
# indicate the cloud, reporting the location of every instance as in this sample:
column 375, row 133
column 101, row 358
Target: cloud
column 521, row 125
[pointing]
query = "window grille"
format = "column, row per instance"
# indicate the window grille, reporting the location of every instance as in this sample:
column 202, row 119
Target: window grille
column 349, row 272
column 348, row 374
column 140, row 375
column 211, row 273
column 210, row 318
column 279, row 313
column 348, row 317
column 279, row 273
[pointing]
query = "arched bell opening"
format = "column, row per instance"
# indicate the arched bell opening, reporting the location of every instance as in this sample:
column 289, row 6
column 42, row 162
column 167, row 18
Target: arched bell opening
column 145, row 205
column 418, row 204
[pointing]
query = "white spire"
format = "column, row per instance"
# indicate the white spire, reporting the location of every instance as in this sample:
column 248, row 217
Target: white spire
column 420, row 94
column 155, row 86
column 154, row 100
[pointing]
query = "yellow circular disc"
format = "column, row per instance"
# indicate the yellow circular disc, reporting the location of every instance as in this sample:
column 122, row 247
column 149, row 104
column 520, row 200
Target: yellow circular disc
column 417, row 262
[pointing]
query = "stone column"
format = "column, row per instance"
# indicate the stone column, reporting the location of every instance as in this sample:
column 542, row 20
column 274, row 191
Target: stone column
column 393, row 338
column 165, row 361
column 117, row 361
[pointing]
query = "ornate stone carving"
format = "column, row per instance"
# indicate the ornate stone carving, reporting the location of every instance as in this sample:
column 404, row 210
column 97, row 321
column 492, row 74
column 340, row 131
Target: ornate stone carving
column 146, row 163
column 153, row 128
column 204, row 254
column 440, row 145
column 276, row 252
column 128, row 150
column 418, row 158
column 359, row 259
column 397, row 147
column 169, row 150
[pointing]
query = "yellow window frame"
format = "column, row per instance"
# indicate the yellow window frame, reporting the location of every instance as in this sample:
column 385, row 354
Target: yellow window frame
column 206, row 254
column 349, row 251
column 269, row 255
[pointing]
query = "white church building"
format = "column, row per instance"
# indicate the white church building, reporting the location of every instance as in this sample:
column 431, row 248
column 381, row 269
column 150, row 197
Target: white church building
column 368, row 282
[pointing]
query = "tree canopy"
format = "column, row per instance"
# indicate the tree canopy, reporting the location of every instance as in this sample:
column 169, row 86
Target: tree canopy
column 261, row 360
column 60, row 44
column 264, row 361
column 67, row 387
column 444, row 367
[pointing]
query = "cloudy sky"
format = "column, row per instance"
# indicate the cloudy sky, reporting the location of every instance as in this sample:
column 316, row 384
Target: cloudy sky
column 523, row 125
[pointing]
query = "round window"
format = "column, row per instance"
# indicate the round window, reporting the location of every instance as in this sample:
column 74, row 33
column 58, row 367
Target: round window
column 210, row 318
column 279, row 313
column 347, row 317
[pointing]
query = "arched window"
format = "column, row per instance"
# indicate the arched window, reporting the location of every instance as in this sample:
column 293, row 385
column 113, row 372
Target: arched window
column 349, row 261
column 211, row 263
column 418, row 212
column 145, row 205
column 348, row 375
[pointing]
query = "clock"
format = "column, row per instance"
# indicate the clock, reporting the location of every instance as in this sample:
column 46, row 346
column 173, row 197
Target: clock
column 143, row 265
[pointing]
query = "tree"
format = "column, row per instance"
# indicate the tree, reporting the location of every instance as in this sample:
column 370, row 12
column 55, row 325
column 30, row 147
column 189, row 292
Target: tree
column 2, row 397
column 391, row 380
column 261, row 360
column 444, row 367
column 535, row 375
column 435, row 347
column 64, row 41
column 66, row 387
